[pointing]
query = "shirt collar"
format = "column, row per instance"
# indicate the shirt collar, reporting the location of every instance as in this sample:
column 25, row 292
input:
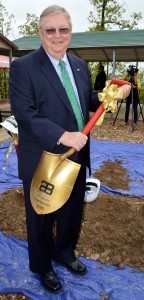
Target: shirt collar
column 55, row 61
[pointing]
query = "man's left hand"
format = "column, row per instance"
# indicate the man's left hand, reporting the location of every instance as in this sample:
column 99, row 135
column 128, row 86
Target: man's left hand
column 126, row 90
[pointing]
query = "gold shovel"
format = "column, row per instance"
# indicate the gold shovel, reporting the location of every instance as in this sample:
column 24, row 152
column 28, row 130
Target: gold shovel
column 55, row 176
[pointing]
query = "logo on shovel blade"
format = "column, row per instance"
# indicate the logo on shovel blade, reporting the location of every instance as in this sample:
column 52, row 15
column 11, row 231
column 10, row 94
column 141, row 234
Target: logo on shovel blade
column 46, row 187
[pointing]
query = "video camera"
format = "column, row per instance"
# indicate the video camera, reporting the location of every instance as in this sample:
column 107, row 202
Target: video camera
column 131, row 71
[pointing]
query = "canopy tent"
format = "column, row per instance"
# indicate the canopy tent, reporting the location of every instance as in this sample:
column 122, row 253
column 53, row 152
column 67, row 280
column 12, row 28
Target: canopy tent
column 6, row 48
column 4, row 62
column 100, row 46
column 105, row 46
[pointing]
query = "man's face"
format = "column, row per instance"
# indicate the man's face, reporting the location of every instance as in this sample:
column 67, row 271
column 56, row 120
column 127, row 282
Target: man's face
column 55, row 33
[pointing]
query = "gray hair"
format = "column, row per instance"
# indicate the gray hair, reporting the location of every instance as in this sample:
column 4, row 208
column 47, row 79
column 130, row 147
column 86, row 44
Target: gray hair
column 53, row 10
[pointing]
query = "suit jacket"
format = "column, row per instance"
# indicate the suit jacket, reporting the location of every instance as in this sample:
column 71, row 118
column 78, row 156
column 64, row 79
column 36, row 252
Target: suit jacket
column 42, row 109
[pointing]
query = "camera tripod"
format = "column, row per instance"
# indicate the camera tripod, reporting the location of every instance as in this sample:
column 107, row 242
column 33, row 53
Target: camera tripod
column 140, row 112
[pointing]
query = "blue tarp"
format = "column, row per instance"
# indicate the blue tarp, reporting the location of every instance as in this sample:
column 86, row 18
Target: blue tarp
column 131, row 155
column 9, row 175
column 15, row 277
column 125, row 284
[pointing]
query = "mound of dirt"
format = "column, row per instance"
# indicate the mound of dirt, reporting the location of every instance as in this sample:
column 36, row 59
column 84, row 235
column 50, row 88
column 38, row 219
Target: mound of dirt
column 112, row 227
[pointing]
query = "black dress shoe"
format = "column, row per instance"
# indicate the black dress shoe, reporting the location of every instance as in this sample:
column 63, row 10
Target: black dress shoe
column 76, row 267
column 50, row 281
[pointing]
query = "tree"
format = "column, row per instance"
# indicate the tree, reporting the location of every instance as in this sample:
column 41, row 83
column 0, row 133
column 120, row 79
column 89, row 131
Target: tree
column 6, row 22
column 108, row 14
column 30, row 27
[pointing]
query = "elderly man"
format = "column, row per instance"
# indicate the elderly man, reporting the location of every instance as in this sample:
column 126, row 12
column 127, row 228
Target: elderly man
column 51, row 95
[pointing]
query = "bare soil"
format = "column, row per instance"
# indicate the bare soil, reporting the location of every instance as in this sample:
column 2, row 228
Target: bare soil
column 112, row 230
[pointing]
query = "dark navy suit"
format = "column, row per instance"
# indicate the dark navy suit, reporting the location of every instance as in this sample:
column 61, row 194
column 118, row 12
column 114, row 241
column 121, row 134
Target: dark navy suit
column 43, row 111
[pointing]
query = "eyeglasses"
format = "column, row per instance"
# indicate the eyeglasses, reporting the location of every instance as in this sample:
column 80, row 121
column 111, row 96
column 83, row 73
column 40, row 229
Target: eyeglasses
column 52, row 31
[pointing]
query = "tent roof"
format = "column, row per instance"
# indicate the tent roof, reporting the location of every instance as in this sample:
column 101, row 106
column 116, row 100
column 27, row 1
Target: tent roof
column 6, row 44
column 128, row 45
column 125, row 45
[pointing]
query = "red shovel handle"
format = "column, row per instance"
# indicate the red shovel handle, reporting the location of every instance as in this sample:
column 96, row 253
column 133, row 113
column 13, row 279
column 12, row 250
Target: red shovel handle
column 93, row 120
column 86, row 130
column 119, row 82
column 100, row 110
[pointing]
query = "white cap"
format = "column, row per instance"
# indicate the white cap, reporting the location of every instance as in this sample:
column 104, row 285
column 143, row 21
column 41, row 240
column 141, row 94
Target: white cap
column 10, row 124
column 92, row 189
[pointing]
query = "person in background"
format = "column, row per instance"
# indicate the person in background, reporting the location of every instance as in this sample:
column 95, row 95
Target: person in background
column 100, row 81
column 133, row 97
column 47, row 121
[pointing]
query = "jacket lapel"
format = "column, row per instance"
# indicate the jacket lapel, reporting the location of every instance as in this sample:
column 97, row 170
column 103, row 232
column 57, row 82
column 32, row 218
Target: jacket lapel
column 49, row 71
column 53, row 78
column 77, row 73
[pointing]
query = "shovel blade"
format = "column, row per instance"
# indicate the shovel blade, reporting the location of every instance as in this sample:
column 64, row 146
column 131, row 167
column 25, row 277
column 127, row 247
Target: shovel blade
column 52, row 183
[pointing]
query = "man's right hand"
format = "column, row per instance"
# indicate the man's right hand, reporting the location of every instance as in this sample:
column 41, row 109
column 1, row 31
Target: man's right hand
column 76, row 140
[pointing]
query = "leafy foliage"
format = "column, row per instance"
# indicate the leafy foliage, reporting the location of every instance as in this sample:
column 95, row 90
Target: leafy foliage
column 4, row 74
column 108, row 14
column 6, row 21
column 30, row 27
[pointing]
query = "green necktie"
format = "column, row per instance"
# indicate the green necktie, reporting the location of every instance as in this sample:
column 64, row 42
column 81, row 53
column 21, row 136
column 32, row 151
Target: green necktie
column 71, row 95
